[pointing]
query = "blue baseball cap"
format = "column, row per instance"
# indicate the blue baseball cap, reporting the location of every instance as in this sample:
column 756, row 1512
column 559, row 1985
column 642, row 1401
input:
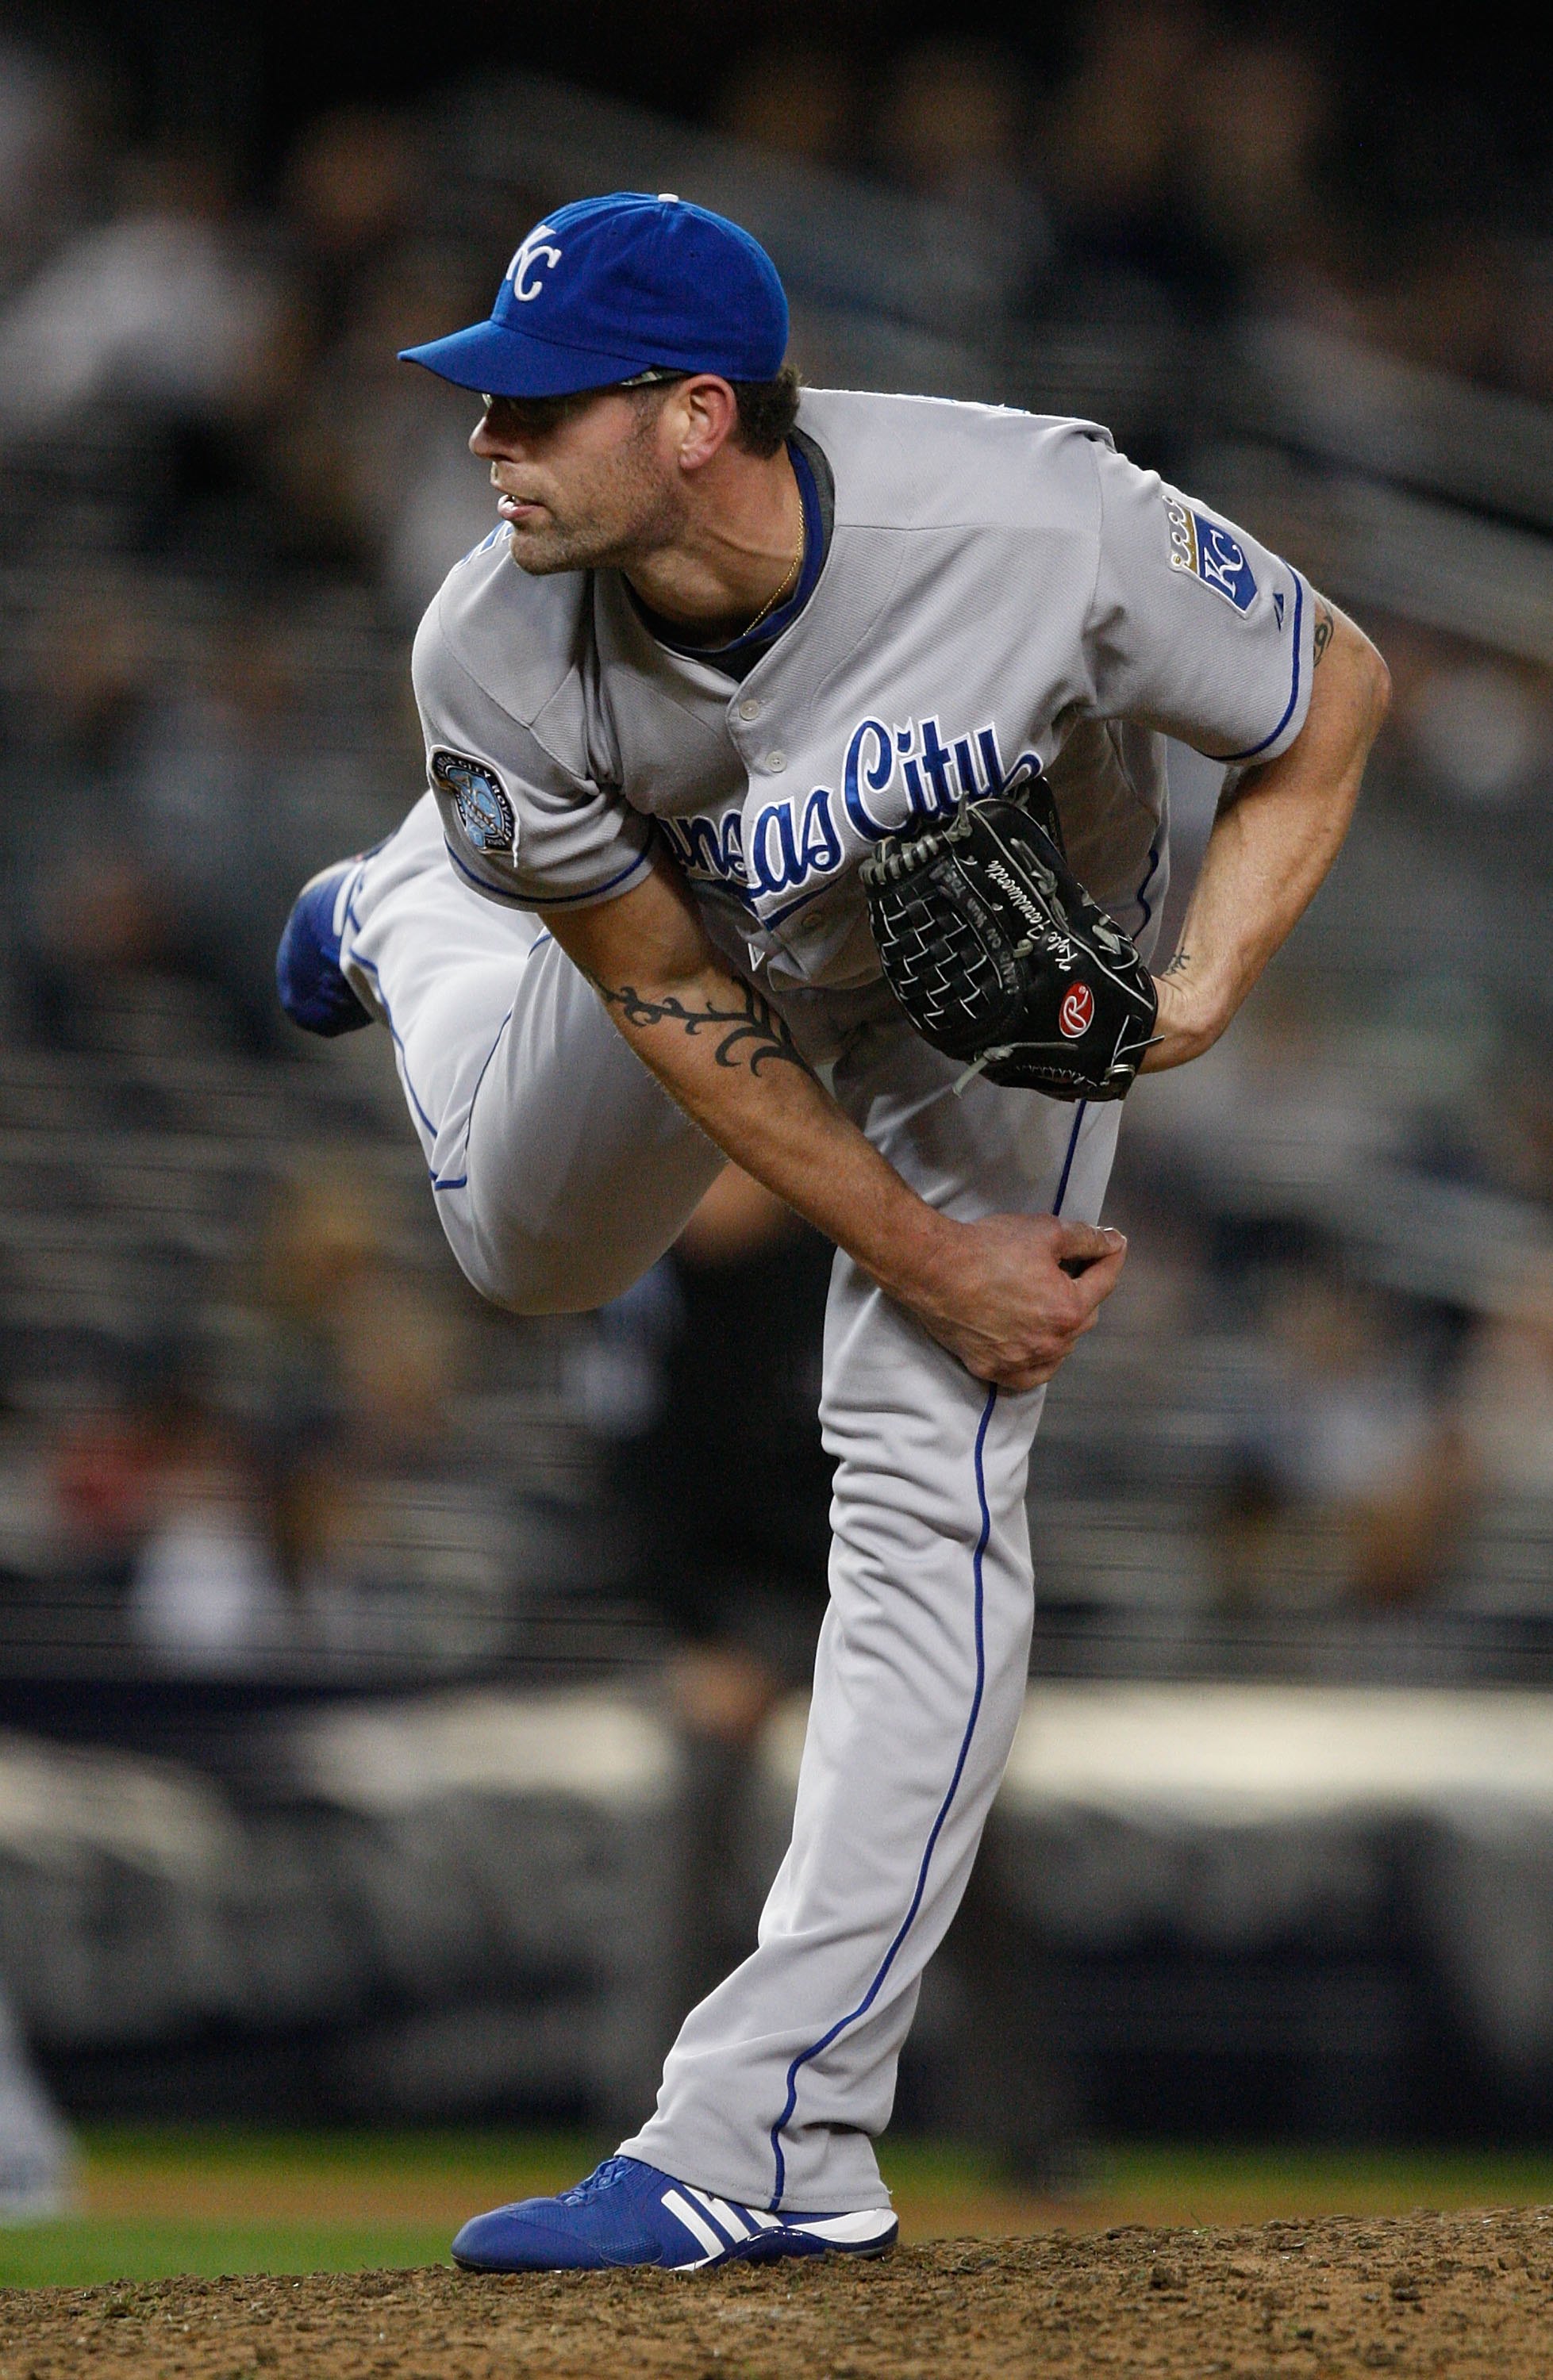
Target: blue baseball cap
column 608, row 289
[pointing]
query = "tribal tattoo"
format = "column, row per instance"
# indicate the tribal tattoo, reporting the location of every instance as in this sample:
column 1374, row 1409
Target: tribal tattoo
column 752, row 1034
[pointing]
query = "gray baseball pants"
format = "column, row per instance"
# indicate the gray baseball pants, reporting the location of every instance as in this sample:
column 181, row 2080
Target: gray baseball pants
column 561, row 1172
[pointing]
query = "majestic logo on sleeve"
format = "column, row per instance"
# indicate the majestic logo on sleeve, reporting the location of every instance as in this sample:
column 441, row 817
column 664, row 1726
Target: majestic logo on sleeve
column 1217, row 558
column 479, row 801
column 528, row 268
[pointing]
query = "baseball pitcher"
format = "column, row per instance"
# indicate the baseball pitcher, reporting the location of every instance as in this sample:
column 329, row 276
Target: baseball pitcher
column 796, row 794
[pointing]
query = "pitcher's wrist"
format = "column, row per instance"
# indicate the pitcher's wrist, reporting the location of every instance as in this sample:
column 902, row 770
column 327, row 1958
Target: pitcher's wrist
column 915, row 1260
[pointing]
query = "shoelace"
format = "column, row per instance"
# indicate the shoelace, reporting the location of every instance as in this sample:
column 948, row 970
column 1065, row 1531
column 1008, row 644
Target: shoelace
column 603, row 2177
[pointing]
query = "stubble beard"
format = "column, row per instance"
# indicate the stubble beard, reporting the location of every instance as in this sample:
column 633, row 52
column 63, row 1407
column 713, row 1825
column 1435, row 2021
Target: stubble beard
column 628, row 513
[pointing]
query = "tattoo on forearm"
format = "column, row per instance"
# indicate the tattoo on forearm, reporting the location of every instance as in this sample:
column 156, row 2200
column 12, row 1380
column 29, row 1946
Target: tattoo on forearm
column 750, row 1034
column 1180, row 964
column 1325, row 625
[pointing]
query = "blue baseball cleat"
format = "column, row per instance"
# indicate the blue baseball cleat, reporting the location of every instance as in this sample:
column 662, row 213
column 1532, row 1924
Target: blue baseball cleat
column 628, row 2212
column 313, row 992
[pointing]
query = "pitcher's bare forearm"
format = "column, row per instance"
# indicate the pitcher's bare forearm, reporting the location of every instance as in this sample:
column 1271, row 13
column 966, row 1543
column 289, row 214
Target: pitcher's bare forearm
column 993, row 1293
column 1277, row 832
column 744, row 1030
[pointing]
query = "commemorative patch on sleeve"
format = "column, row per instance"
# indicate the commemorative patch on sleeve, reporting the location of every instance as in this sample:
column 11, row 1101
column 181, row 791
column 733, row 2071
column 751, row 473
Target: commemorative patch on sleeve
column 480, row 800
column 1217, row 558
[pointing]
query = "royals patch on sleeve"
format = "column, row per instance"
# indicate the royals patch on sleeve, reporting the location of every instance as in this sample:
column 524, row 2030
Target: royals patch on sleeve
column 1216, row 555
column 479, row 801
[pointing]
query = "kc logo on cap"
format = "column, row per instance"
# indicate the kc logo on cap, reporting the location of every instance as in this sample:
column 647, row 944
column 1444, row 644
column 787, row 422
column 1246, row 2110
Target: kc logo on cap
column 524, row 270
column 626, row 284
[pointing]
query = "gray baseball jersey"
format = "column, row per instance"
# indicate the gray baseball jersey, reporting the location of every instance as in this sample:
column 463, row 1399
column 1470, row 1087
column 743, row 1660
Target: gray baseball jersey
column 998, row 588
column 995, row 587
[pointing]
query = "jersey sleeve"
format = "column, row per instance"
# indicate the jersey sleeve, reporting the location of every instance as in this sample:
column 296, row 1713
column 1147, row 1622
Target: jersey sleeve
column 520, row 826
column 1194, row 627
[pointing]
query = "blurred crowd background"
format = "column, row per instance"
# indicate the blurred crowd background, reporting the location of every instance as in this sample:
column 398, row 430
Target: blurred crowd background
column 268, row 1473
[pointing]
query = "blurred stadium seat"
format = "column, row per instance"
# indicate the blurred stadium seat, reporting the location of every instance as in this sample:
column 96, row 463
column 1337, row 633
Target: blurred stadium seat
column 454, row 1906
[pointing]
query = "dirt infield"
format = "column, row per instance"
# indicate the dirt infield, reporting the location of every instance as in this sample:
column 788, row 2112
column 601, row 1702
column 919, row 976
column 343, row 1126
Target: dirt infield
column 1456, row 2295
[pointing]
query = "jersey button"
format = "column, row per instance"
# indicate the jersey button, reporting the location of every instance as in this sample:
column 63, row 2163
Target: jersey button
column 750, row 708
column 776, row 762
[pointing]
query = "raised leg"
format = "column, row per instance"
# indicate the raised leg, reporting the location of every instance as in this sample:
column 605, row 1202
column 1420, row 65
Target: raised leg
column 561, row 1169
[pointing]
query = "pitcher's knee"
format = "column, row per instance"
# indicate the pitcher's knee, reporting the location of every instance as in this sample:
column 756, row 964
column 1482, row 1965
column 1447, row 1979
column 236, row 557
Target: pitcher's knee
column 531, row 1276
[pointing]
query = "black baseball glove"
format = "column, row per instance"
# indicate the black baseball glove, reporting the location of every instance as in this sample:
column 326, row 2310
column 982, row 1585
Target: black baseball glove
column 998, row 956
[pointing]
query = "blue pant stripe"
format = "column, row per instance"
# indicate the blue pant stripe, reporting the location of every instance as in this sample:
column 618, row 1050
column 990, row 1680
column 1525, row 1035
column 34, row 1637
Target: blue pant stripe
column 367, row 968
column 1068, row 1160
column 818, row 2048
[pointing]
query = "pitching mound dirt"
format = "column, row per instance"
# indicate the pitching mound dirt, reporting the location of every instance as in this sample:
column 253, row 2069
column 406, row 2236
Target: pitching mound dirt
column 1455, row 2294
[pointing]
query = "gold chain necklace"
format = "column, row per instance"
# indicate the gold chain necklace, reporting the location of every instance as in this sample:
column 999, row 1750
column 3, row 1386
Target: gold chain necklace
column 788, row 576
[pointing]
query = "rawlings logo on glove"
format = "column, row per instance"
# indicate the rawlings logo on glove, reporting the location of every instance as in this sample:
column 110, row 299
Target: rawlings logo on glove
column 998, row 956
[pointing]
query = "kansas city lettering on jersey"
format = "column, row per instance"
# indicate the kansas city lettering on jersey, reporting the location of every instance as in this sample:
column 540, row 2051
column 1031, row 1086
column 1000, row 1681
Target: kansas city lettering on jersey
column 891, row 776
column 708, row 847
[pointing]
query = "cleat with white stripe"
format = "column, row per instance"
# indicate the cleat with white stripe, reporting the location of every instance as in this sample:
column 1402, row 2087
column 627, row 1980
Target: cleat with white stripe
column 628, row 2212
